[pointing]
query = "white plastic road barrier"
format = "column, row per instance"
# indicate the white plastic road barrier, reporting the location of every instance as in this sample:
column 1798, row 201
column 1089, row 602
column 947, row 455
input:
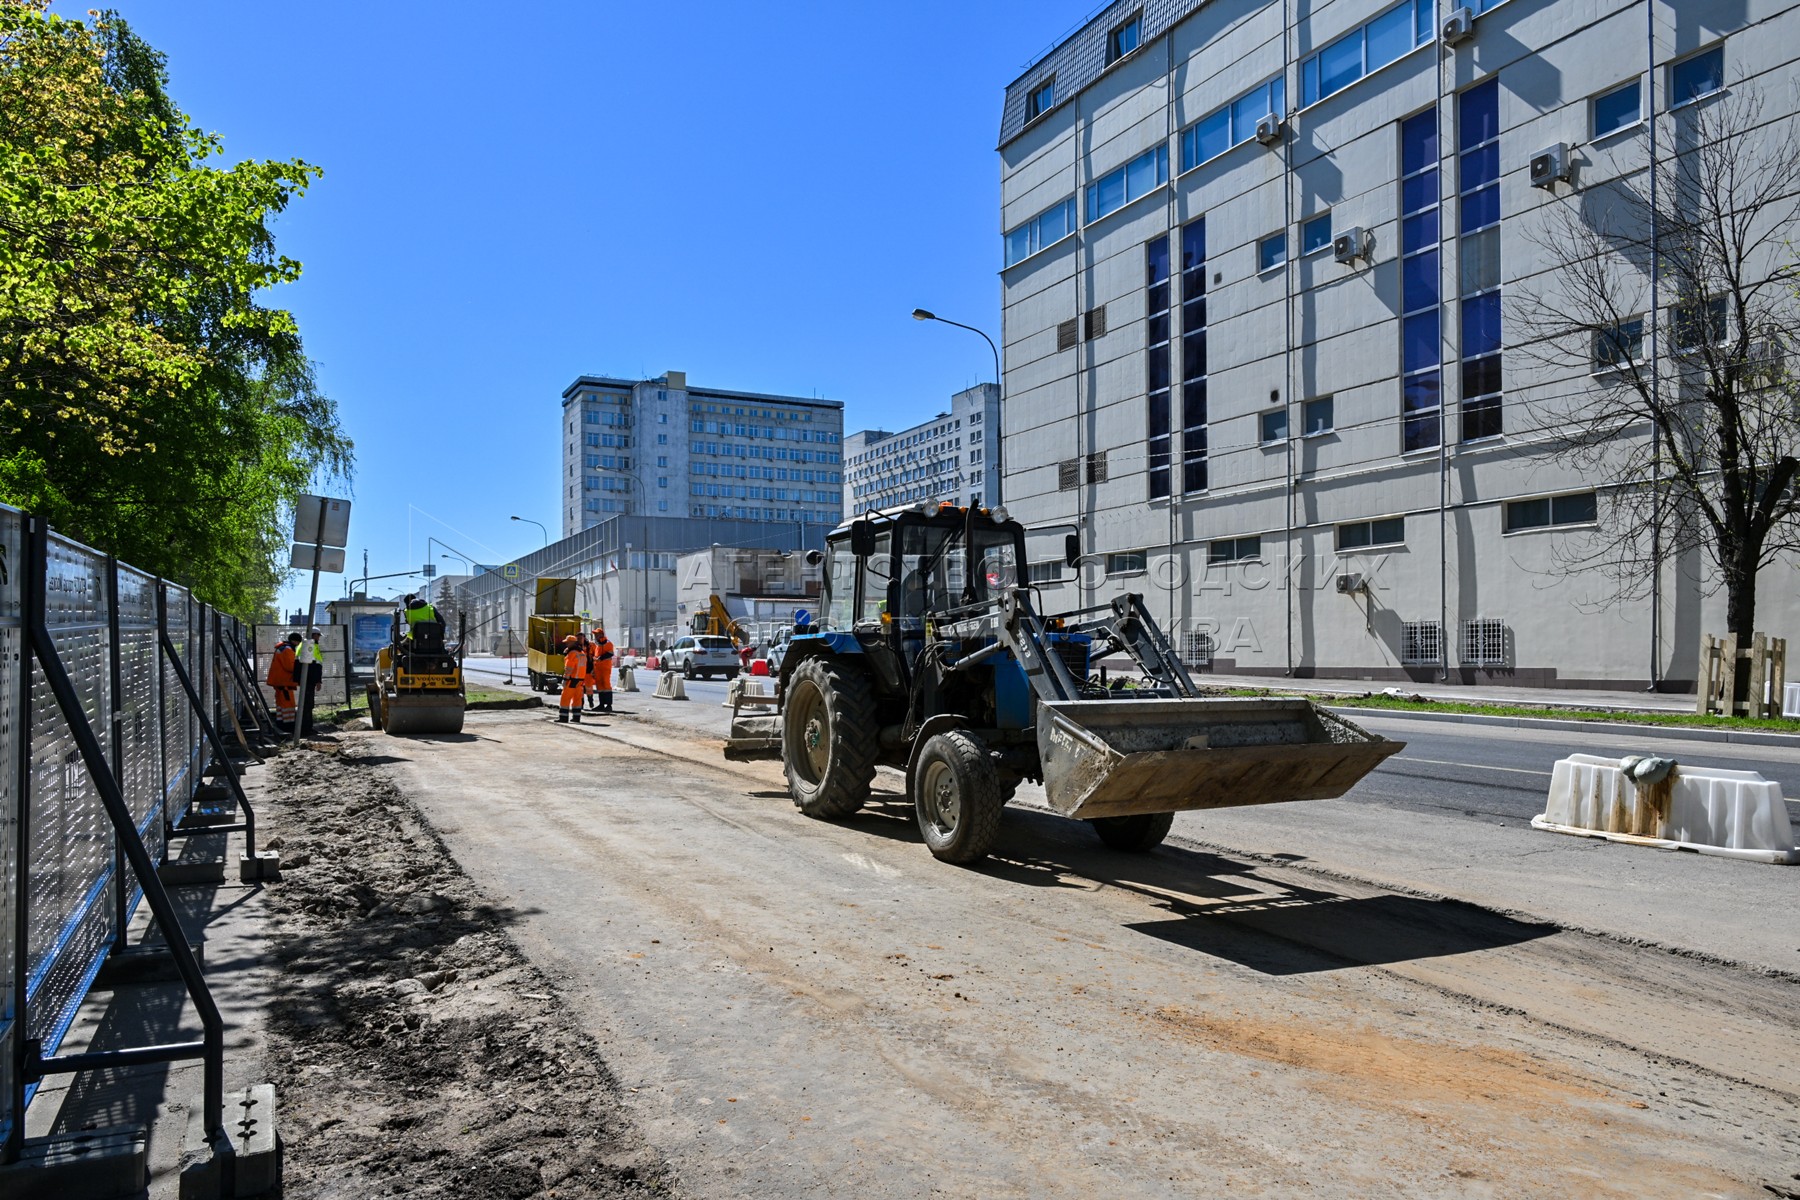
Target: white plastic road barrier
column 1790, row 699
column 628, row 678
column 670, row 686
column 1735, row 814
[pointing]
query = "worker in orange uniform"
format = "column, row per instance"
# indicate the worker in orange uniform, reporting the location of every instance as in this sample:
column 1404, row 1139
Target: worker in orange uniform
column 575, row 662
column 281, row 678
column 600, row 678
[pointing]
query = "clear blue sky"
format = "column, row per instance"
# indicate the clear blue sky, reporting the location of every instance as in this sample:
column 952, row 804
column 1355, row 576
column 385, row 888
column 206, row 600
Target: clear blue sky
column 517, row 194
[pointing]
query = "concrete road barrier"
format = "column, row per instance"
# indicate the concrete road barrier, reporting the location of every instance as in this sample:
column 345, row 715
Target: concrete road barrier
column 1733, row 814
column 671, row 686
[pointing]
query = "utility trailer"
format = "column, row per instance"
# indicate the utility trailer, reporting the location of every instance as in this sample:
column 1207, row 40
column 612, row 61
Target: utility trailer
column 552, row 619
column 932, row 658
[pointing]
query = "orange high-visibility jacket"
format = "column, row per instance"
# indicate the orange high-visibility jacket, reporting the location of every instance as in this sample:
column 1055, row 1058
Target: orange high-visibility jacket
column 281, row 667
column 575, row 664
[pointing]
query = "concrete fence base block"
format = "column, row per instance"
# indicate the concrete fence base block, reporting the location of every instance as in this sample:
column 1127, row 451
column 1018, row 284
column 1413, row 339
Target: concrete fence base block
column 628, row 679
column 97, row 1163
column 190, row 874
column 265, row 865
column 245, row 1160
column 1732, row 814
column 671, row 686
column 147, row 963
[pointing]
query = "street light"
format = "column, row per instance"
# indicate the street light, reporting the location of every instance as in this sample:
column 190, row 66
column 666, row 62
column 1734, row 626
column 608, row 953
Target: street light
column 539, row 524
column 922, row 314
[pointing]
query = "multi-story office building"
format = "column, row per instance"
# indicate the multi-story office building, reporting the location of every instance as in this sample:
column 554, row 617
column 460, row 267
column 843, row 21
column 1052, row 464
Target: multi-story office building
column 660, row 448
column 1257, row 266
column 950, row 457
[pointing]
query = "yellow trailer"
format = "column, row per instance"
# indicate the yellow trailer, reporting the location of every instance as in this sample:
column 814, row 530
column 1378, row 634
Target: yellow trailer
column 553, row 618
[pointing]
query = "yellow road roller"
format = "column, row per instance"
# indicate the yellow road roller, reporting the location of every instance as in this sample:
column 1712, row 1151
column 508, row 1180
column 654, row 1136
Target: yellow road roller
column 418, row 686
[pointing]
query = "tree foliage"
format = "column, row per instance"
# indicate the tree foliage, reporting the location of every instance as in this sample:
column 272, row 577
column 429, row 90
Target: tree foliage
column 151, row 406
column 1676, row 290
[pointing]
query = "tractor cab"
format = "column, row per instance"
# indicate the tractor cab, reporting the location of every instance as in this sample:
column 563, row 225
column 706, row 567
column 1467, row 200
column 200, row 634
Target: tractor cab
column 892, row 569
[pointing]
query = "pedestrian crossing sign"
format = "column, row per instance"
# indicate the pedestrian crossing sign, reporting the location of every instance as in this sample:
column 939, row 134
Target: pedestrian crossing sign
column 510, row 571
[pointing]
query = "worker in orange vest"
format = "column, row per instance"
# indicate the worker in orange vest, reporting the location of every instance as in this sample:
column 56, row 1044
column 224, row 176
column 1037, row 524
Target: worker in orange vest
column 600, row 678
column 281, row 678
column 575, row 661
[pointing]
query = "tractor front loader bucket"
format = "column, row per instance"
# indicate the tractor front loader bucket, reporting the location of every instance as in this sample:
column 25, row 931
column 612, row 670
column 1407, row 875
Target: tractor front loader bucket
column 407, row 713
column 1114, row 758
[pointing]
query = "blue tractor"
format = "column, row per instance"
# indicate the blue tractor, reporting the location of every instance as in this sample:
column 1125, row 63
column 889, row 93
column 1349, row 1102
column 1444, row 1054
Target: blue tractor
column 930, row 657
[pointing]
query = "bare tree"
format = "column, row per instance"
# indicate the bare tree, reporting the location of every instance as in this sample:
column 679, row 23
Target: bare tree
column 1675, row 290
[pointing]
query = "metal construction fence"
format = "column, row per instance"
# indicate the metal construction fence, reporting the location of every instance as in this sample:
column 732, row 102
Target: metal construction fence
column 112, row 687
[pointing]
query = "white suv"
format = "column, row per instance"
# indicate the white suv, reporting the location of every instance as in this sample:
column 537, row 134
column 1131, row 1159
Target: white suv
column 702, row 657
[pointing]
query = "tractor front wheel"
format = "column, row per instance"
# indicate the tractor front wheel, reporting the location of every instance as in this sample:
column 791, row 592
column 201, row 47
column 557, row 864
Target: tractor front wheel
column 958, row 796
column 828, row 741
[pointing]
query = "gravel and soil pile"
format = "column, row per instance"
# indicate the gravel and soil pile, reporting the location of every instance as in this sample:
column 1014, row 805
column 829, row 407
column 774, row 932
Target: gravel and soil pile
column 414, row 1049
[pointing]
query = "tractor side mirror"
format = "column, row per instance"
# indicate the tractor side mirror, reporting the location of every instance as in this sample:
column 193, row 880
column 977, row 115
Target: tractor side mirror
column 1072, row 550
column 862, row 539
column 814, row 557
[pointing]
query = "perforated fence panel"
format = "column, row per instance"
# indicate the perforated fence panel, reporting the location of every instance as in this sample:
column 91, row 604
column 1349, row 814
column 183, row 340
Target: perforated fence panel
column 102, row 621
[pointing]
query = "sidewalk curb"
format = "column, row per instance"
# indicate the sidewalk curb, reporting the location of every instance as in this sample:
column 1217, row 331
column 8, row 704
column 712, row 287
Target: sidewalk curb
column 1746, row 737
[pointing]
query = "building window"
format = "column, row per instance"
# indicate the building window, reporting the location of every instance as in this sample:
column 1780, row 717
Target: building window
column 1421, row 376
column 1126, row 562
column 1478, row 177
column 1696, row 76
column 1230, row 550
column 592, row 439
column 1315, row 234
column 1044, row 572
column 1614, row 110
column 1364, row 535
column 1046, row 229
column 1619, row 347
column 1137, row 178
column 1193, row 357
column 1271, row 252
column 1316, row 415
column 1041, row 99
column 1702, row 323
column 1124, row 39
column 1157, row 364
column 1577, row 508
column 1233, row 124
column 1274, row 425
column 1365, row 49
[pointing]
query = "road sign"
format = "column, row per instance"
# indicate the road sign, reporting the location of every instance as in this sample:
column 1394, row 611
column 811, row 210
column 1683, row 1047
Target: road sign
column 505, row 625
column 317, row 558
column 585, row 614
column 510, row 571
column 322, row 521
column 428, row 570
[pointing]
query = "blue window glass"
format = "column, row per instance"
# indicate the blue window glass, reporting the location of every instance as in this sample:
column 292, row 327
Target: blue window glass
column 1246, row 111
column 1142, row 174
column 1418, row 143
column 1193, row 353
column 1478, row 114
column 1271, row 252
column 1420, row 393
column 1390, row 35
column 1419, row 191
column 1700, row 75
column 1193, row 404
column 1423, row 13
column 1419, row 232
column 1481, row 209
column 1209, row 139
column 1124, row 39
column 1040, row 100
column 1419, row 341
column 1018, row 243
column 1480, row 166
column 1341, row 63
column 1315, row 234
column 1309, row 80
column 1105, row 194
column 1480, row 377
column 1418, row 282
column 1481, row 325
column 1618, row 108
column 1421, row 432
column 1193, row 257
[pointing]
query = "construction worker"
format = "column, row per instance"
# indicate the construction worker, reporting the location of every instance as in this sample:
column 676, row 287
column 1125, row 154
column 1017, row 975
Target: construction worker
column 309, row 672
column 600, row 678
column 575, row 661
column 419, row 610
column 281, row 678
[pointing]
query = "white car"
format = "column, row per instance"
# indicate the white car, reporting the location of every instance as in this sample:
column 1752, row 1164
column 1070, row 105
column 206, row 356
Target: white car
column 702, row 656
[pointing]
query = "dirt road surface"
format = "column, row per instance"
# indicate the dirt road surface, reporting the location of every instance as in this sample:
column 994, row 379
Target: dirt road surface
column 783, row 1007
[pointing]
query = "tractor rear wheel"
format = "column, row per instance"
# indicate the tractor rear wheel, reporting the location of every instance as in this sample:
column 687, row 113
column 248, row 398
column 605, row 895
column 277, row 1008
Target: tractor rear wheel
column 957, row 794
column 1136, row 833
column 828, row 741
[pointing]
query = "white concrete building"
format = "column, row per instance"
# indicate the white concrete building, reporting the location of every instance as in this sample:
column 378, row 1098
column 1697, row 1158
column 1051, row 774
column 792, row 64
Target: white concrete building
column 659, row 448
column 953, row 456
column 1255, row 337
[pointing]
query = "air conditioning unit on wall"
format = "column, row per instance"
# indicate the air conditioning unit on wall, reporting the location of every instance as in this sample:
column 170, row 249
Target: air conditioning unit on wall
column 1550, row 166
column 1458, row 27
column 1268, row 129
column 1352, row 244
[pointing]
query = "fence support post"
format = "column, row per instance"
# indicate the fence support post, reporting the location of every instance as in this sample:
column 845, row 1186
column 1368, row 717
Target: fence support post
column 211, row 1049
column 206, row 725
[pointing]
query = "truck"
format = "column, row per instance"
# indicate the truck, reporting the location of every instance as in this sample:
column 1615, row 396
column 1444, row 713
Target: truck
column 931, row 658
column 552, row 619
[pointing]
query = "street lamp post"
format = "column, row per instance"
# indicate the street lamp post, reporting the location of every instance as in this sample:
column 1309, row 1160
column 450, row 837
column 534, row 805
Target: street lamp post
column 920, row 314
column 539, row 524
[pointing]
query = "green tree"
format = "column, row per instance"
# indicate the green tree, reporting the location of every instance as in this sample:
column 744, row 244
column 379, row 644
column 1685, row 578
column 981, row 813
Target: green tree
column 152, row 406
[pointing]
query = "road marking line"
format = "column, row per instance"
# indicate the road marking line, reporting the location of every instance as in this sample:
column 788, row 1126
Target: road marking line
column 1440, row 762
